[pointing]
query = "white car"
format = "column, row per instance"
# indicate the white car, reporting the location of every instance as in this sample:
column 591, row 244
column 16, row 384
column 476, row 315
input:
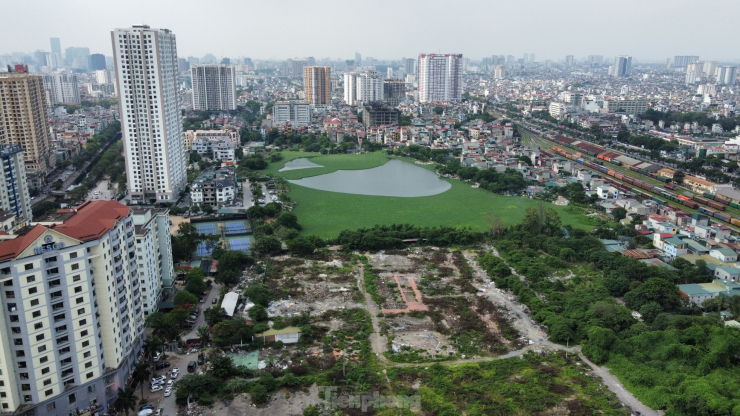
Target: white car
column 168, row 392
column 169, row 383
column 159, row 380
column 155, row 388
column 175, row 373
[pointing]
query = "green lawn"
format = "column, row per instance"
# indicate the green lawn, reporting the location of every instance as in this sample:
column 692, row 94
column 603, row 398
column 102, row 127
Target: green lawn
column 326, row 213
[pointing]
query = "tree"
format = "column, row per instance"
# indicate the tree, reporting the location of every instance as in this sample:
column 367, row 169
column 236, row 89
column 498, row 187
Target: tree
column 267, row 245
column 152, row 346
column 184, row 297
column 288, row 220
column 222, row 366
column 231, row 263
column 259, row 294
column 600, row 340
column 195, row 281
column 203, row 333
column 300, row 246
column 258, row 313
column 195, row 157
column 207, row 208
column 619, row 213
column 125, row 402
column 214, row 315
column 650, row 311
column 439, row 110
column 678, row 176
column 259, row 393
column 141, row 374
column 161, row 325
column 734, row 306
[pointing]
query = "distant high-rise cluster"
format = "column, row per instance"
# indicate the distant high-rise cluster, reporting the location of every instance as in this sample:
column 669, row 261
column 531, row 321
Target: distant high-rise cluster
column 148, row 85
column 622, row 66
column 499, row 72
column 213, row 87
column 726, row 75
column 317, row 84
column 569, row 61
column 684, row 61
column 440, row 77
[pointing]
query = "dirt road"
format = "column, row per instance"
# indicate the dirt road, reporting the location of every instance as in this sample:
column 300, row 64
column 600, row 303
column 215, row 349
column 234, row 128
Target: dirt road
column 378, row 342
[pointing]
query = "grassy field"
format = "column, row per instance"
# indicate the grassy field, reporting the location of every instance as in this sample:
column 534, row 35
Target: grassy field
column 326, row 213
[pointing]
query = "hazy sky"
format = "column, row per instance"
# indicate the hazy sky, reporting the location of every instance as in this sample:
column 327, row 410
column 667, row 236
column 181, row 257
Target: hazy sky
column 387, row 29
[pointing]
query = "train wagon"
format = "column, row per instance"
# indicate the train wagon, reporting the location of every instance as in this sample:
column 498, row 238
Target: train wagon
column 659, row 201
column 603, row 169
column 670, row 186
column 706, row 211
column 716, row 205
column 633, row 169
column 708, row 195
column 619, row 176
column 735, row 205
column 723, row 217
column 721, row 200
column 735, row 221
column 579, row 160
column 683, row 197
column 690, row 204
column 701, row 200
column 616, row 162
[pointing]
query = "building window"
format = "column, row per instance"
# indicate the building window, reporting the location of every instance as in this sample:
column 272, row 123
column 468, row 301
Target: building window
column 90, row 375
column 85, row 344
column 28, row 266
column 20, row 353
column 80, row 311
column 78, row 289
column 30, row 279
column 83, row 322
column 44, row 370
column 49, row 392
column 73, row 255
column 34, row 302
column 88, row 364
column 47, row 382
column 86, row 354
column 25, row 387
column 44, row 359
column 39, row 337
column 51, row 406
column 76, row 278
column 76, row 266
column 36, row 314
column 91, row 388
column 32, row 290
column 83, row 333
column 10, row 294
column 38, row 325
column 80, row 300
column 72, row 398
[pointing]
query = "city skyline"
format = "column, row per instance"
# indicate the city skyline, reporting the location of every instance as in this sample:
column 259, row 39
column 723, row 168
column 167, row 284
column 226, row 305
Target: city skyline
column 656, row 20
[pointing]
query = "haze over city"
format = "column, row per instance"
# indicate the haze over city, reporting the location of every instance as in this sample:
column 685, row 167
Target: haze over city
column 648, row 30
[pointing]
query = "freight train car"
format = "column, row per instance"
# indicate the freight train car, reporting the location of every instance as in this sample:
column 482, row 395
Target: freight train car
column 716, row 205
column 683, row 198
column 670, row 186
column 690, row 204
column 721, row 200
column 706, row 211
column 723, row 217
column 701, row 200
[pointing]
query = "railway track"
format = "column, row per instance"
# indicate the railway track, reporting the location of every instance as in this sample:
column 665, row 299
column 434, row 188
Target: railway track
column 644, row 190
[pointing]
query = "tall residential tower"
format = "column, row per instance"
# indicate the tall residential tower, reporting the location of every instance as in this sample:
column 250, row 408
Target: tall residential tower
column 147, row 79
column 317, row 83
column 213, row 87
column 440, row 77
column 23, row 120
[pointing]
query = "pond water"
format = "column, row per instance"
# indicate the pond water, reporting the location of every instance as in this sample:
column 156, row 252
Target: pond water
column 395, row 178
column 301, row 163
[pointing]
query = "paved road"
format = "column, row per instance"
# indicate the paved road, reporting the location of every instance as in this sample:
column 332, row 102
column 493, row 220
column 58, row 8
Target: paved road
column 248, row 197
column 200, row 320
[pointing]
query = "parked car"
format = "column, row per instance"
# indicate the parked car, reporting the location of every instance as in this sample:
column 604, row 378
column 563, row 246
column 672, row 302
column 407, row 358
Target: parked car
column 146, row 406
column 159, row 380
column 201, row 359
column 175, row 373
column 161, row 365
column 214, row 301
column 157, row 356
column 201, row 300
column 168, row 392
column 191, row 366
column 155, row 388
column 159, row 412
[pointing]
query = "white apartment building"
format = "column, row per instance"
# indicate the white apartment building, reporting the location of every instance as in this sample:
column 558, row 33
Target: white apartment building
column 622, row 66
column 725, row 75
column 632, row 107
column 14, row 195
column 297, row 113
column 214, row 87
column 369, row 87
column 61, row 89
column 224, row 134
column 350, row 88
column 153, row 255
column 222, row 149
column 71, row 322
column 557, row 110
column 148, row 86
column 440, row 77
column 499, row 72
column 214, row 187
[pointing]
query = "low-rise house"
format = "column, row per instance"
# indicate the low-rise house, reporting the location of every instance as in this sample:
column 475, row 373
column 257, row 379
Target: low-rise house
column 724, row 254
column 675, row 247
column 289, row 335
column 727, row 273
